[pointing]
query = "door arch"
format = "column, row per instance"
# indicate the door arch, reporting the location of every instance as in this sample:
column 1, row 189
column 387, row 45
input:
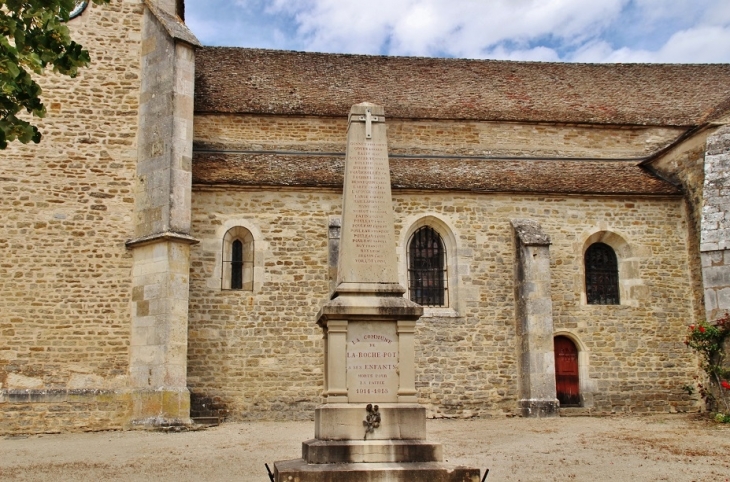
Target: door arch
column 567, row 381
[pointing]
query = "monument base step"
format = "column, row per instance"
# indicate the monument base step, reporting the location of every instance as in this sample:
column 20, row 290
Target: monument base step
column 299, row 471
column 352, row 451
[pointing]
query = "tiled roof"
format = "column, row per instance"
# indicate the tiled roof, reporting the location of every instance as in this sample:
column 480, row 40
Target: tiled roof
column 238, row 80
column 525, row 176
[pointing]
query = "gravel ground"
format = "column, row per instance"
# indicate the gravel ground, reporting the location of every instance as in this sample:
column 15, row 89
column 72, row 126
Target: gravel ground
column 618, row 448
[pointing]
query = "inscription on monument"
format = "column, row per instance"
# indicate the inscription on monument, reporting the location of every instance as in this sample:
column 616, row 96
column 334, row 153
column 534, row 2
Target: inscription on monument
column 372, row 362
column 368, row 189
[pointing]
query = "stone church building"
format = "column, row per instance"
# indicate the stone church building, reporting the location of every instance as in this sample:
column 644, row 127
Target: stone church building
column 169, row 242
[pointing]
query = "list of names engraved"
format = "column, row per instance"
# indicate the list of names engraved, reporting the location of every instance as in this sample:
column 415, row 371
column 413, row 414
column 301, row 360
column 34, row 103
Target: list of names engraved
column 370, row 201
column 372, row 362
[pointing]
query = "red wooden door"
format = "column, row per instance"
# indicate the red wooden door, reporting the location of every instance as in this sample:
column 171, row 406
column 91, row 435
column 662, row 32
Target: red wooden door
column 566, row 371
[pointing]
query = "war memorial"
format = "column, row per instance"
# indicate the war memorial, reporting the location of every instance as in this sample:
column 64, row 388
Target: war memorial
column 370, row 426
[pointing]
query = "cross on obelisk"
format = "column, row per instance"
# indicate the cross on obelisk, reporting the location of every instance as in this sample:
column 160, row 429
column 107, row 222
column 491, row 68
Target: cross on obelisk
column 369, row 119
column 367, row 262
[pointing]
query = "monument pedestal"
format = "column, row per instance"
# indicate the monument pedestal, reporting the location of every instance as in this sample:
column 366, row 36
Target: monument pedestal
column 344, row 421
column 397, row 450
column 370, row 451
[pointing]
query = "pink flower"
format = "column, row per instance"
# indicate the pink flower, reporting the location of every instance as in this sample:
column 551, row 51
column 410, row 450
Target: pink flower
column 725, row 385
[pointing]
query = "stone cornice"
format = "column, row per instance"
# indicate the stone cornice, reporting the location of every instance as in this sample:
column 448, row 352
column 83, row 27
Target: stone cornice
column 164, row 236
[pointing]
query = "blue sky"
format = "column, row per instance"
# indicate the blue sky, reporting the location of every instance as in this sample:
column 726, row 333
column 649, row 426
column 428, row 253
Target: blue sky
column 684, row 31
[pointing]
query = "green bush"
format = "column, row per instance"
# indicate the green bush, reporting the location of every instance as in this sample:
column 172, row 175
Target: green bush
column 708, row 341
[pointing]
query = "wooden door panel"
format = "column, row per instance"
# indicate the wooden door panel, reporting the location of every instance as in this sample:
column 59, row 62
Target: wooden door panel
column 566, row 371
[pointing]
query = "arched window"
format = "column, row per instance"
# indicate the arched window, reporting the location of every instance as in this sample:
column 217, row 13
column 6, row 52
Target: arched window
column 601, row 270
column 238, row 260
column 427, row 277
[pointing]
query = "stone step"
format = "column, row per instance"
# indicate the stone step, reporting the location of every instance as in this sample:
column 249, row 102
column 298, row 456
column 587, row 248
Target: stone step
column 353, row 451
column 203, row 413
column 575, row 412
column 301, row 471
column 211, row 421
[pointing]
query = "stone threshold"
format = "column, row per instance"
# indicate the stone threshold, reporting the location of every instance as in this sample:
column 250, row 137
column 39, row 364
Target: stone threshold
column 576, row 412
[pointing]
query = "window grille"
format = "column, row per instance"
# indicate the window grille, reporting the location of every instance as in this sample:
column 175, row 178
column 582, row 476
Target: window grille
column 427, row 277
column 601, row 275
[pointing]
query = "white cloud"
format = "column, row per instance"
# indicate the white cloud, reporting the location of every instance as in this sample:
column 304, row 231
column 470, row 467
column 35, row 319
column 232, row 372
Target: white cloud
column 597, row 51
column 538, row 54
column 545, row 30
column 453, row 27
column 700, row 45
column 717, row 13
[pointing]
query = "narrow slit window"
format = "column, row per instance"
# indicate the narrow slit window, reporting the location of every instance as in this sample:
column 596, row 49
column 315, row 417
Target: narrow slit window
column 601, row 269
column 237, row 265
column 427, row 277
column 238, row 260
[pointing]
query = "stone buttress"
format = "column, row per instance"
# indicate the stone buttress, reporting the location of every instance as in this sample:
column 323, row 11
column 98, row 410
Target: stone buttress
column 161, row 248
column 534, row 312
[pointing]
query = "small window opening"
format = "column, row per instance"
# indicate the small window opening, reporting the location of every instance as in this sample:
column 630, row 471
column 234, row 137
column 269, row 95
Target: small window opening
column 180, row 9
column 237, row 265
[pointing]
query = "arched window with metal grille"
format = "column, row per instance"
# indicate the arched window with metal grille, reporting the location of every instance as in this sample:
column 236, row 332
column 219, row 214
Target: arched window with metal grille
column 601, row 269
column 238, row 260
column 427, row 276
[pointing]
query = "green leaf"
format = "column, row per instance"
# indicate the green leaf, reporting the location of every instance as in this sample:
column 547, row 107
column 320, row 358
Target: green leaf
column 33, row 36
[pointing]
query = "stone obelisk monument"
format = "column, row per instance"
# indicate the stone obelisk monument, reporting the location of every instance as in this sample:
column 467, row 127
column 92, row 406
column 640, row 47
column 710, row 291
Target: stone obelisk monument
column 370, row 427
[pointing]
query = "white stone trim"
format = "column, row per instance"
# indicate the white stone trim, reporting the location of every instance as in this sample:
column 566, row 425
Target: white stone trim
column 586, row 386
column 244, row 235
column 631, row 287
column 449, row 237
column 216, row 245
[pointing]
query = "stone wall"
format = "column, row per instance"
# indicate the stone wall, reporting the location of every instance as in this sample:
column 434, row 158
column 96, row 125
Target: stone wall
column 326, row 134
column 715, row 247
column 684, row 165
column 260, row 353
column 67, row 209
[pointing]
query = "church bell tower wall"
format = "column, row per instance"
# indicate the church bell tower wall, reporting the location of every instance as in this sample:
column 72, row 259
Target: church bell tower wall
column 67, row 208
column 93, row 233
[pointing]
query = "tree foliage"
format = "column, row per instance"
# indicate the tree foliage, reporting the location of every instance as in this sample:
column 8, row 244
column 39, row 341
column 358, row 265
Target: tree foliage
column 34, row 37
